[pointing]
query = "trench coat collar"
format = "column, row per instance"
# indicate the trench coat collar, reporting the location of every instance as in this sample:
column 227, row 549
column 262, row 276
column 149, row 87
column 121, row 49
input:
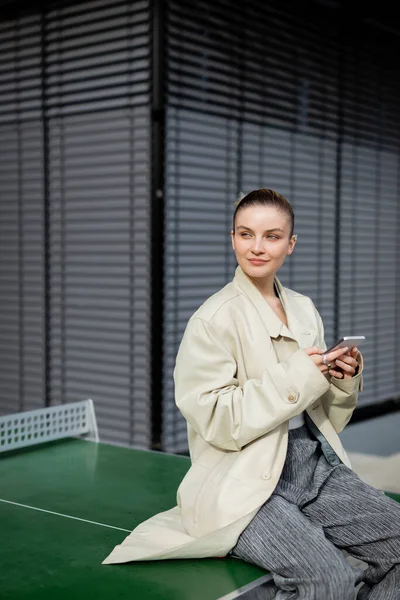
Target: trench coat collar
column 275, row 327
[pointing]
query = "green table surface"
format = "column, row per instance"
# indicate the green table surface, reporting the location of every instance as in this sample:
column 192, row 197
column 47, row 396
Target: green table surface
column 43, row 555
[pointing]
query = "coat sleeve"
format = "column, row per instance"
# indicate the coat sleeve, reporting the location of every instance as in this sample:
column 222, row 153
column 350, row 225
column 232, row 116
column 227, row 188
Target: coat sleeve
column 222, row 412
column 341, row 398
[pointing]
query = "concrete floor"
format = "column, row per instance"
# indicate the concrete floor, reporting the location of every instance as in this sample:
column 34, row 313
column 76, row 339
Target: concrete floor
column 382, row 472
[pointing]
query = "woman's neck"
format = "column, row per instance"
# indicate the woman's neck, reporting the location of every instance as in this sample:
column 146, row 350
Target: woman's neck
column 265, row 286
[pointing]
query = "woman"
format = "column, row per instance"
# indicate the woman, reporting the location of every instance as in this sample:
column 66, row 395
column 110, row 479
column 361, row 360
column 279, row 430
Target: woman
column 270, row 481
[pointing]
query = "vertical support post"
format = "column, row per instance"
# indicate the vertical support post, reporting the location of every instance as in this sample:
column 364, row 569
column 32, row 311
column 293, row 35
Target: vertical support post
column 157, row 218
column 46, row 213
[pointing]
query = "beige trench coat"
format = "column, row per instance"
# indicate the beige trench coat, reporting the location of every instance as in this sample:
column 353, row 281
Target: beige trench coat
column 237, row 399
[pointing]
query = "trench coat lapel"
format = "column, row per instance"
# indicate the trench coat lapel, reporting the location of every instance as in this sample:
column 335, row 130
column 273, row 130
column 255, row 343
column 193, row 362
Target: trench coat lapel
column 302, row 334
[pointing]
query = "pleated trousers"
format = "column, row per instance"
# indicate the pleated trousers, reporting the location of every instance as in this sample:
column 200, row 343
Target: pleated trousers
column 317, row 510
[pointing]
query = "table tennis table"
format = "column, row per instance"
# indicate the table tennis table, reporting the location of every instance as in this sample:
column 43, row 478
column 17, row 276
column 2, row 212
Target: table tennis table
column 65, row 504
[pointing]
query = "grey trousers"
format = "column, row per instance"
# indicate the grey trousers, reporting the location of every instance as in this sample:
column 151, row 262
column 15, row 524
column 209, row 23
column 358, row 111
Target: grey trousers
column 316, row 510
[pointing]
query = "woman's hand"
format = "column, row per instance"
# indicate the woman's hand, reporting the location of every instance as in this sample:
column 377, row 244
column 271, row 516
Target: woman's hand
column 347, row 365
column 344, row 363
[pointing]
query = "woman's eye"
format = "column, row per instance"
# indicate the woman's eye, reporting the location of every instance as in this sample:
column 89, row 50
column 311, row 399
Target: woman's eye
column 270, row 236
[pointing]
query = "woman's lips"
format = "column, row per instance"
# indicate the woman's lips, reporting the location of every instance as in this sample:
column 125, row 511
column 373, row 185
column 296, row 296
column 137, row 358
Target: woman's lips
column 257, row 261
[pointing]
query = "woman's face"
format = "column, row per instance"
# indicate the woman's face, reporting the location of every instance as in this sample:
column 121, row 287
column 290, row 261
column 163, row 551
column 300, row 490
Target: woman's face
column 261, row 240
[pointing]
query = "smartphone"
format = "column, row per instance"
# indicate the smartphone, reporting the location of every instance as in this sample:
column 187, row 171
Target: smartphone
column 348, row 341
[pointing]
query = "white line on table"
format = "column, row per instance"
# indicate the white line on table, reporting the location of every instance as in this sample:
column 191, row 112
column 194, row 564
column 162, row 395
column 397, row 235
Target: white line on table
column 62, row 515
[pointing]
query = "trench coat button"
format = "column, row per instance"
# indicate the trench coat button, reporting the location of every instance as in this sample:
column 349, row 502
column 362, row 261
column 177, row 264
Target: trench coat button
column 292, row 398
column 266, row 475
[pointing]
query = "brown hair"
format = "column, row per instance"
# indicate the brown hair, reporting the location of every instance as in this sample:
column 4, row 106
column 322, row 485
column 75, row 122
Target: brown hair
column 266, row 197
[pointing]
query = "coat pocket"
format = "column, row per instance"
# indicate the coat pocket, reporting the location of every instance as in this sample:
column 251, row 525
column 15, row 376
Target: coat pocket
column 224, row 497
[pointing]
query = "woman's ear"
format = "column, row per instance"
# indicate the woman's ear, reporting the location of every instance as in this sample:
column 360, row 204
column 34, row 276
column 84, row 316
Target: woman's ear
column 292, row 243
column 233, row 239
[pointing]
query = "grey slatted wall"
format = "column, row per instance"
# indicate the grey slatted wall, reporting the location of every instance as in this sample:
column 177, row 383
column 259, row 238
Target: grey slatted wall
column 258, row 98
column 21, row 211
column 290, row 91
column 200, row 184
column 95, row 122
column 97, row 98
column 258, row 95
column 370, row 215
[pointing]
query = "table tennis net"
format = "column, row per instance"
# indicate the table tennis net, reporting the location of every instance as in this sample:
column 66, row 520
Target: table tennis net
column 75, row 419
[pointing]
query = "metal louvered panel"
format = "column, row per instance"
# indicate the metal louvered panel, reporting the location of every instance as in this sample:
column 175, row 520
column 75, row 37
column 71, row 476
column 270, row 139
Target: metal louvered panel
column 200, row 194
column 20, row 69
column 358, row 275
column 97, row 100
column 100, row 256
column 234, row 95
column 290, row 88
column 370, row 216
column 98, row 56
column 226, row 58
column 21, row 226
column 302, row 168
column 75, row 144
column 370, row 254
